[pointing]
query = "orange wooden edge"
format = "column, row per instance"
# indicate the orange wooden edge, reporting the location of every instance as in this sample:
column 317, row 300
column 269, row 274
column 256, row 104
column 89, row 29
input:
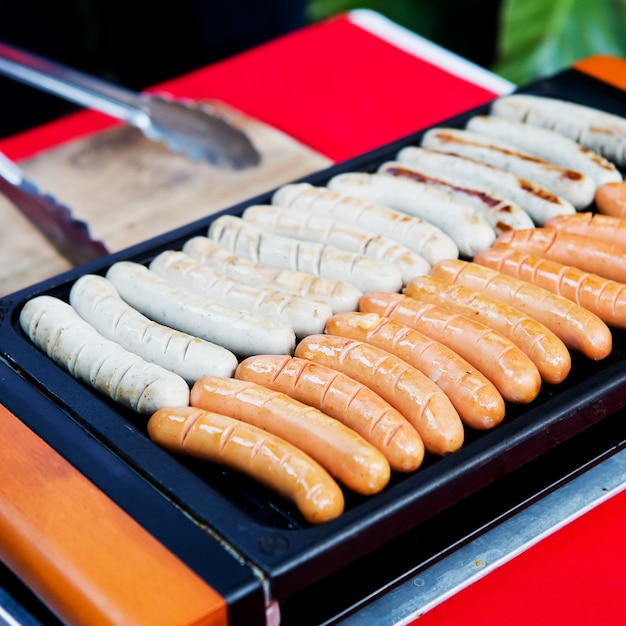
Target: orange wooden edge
column 89, row 561
column 610, row 69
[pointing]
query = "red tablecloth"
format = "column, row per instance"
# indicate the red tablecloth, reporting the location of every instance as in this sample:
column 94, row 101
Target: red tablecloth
column 343, row 88
column 333, row 86
column 575, row 576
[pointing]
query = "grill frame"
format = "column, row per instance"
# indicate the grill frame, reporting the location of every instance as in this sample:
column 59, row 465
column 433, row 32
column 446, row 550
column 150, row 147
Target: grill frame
column 258, row 527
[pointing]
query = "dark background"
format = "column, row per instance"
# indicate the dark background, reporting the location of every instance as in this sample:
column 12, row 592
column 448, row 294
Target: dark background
column 134, row 43
column 138, row 43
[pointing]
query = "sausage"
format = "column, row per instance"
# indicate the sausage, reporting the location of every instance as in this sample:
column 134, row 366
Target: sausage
column 603, row 297
column 409, row 391
column 343, row 235
column 547, row 351
column 262, row 246
column 239, row 331
column 611, row 199
column 343, row 398
column 577, row 327
column 477, row 401
column 341, row 296
column 344, row 453
column 74, row 344
column 572, row 185
column 98, row 302
column 585, row 253
column 594, row 225
column 547, row 144
column 304, row 315
column 597, row 130
column 499, row 212
column 463, row 224
column 512, row 372
column 414, row 233
column 268, row 459
column 540, row 203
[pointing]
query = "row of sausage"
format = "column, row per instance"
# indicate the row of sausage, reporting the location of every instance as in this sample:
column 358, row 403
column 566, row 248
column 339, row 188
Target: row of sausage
column 336, row 336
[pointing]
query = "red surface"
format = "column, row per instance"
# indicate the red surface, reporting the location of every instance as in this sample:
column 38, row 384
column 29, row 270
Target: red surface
column 575, row 576
column 343, row 91
column 342, row 100
column 333, row 86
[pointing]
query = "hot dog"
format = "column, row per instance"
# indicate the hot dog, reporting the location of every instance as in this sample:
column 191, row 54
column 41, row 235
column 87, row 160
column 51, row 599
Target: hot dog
column 344, row 453
column 464, row 225
column 540, row 203
column 426, row 407
column 341, row 296
column 501, row 214
column 262, row 246
column 74, row 344
column 572, row 185
column 97, row 301
column 343, row 398
column 585, row 253
column 595, row 129
column 513, row 373
column 477, row 401
column 547, row 351
column 414, row 233
column 577, row 327
column 547, row 144
column 611, row 199
column 343, row 235
column 595, row 225
column 239, row 331
column 603, row 297
column 304, row 315
column 260, row 455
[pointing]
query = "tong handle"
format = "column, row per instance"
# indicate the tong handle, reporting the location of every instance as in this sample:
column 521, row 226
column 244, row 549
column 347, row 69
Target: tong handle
column 72, row 85
column 190, row 129
column 10, row 171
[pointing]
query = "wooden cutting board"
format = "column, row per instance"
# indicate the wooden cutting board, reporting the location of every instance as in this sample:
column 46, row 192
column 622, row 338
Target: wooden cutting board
column 129, row 189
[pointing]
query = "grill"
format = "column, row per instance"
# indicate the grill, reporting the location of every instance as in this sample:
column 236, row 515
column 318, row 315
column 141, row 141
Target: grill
column 245, row 540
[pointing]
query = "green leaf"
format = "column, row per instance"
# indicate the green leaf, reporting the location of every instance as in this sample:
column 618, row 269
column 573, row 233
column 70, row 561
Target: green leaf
column 420, row 17
column 538, row 37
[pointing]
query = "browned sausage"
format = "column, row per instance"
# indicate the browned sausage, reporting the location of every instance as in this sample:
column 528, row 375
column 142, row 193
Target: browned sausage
column 603, row 297
column 266, row 458
column 579, row 328
column 547, row 351
column 476, row 399
column 595, row 225
column 404, row 387
column 343, row 398
column 585, row 253
column 611, row 199
column 498, row 358
column 344, row 453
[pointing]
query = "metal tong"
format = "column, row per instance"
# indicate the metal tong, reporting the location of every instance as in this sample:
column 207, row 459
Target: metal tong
column 69, row 235
column 185, row 126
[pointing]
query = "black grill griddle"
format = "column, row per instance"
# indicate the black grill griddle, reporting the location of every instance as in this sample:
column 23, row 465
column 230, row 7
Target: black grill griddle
column 261, row 529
